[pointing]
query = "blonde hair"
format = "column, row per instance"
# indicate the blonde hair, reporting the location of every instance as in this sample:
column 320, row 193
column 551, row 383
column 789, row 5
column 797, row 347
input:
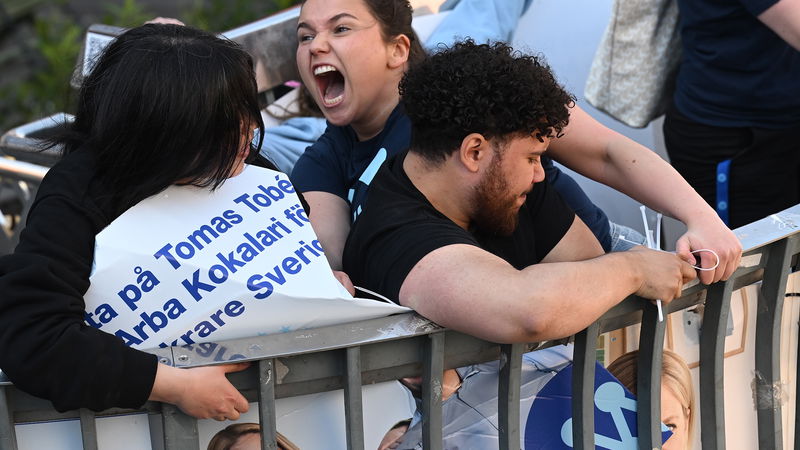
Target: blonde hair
column 227, row 437
column 675, row 376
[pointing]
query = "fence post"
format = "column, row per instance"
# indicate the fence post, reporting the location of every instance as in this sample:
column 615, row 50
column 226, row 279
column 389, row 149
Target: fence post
column 712, row 352
column 180, row 430
column 769, row 312
column 433, row 367
column 8, row 436
column 648, row 382
column 88, row 429
column 508, row 395
column 267, row 415
column 585, row 356
column 353, row 413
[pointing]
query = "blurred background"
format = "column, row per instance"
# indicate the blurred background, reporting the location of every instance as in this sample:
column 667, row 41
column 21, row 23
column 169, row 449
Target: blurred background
column 40, row 41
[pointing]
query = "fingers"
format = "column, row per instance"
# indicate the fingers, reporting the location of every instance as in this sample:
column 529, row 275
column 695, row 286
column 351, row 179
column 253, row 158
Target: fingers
column 345, row 280
column 665, row 275
column 731, row 260
column 240, row 404
column 688, row 272
column 238, row 367
column 707, row 259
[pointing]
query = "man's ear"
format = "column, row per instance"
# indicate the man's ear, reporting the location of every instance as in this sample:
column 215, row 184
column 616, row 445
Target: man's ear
column 473, row 151
column 399, row 50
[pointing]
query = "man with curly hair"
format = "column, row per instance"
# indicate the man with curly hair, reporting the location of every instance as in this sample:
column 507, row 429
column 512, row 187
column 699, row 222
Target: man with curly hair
column 461, row 229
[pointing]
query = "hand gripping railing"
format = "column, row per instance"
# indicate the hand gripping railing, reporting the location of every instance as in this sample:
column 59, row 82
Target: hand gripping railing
column 350, row 355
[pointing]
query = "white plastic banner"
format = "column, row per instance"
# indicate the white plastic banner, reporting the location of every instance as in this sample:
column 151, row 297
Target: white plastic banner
column 189, row 265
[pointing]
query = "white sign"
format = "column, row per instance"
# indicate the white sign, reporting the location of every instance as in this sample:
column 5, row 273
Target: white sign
column 189, row 265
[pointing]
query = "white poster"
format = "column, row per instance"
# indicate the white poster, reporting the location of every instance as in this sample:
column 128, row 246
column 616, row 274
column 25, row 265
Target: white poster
column 189, row 265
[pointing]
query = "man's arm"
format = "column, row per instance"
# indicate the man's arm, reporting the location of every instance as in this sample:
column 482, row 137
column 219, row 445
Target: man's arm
column 468, row 289
column 784, row 19
column 608, row 157
column 330, row 218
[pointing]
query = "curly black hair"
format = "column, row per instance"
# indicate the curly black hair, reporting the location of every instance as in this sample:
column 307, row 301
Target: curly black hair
column 480, row 88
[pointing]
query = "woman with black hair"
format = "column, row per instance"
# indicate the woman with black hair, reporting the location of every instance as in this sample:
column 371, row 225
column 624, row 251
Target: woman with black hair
column 164, row 105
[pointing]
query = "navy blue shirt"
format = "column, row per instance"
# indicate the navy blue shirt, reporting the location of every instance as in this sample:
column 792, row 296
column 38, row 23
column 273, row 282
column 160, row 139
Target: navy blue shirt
column 341, row 165
column 735, row 71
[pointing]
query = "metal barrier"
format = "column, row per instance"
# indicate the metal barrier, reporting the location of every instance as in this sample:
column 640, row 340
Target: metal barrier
column 351, row 355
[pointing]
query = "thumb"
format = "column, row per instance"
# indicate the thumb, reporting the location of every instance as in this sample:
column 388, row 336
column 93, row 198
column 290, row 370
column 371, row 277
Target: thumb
column 238, row 367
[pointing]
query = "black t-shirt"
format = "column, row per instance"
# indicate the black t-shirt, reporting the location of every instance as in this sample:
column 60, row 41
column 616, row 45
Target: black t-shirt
column 399, row 227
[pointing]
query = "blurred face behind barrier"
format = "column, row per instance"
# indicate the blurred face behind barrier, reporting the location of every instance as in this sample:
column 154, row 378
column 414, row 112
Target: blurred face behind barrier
column 676, row 418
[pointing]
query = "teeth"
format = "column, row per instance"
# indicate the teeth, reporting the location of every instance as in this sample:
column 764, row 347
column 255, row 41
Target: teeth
column 333, row 101
column 324, row 69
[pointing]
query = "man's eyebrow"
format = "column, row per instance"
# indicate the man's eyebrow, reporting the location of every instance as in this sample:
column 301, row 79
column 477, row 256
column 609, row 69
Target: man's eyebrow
column 331, row 20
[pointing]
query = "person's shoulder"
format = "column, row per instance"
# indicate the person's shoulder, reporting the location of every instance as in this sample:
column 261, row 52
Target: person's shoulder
column 73, row 180
column 70, row 176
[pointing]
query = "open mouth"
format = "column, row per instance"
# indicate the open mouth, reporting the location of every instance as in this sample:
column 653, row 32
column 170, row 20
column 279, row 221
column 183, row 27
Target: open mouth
column 330, row 83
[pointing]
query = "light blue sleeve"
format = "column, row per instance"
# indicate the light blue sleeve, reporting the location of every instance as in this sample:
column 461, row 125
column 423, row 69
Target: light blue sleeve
column 481, row 20
column 285, row 143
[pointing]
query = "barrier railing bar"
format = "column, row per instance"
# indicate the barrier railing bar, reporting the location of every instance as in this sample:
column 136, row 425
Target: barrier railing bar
column 88, row 429
column 432, row 368
column 267, row 416
column 8, row 436
column 353, row 412
column 768, row 344
column 180, row 430
column 508, row 395
column 712, row 349
column 23, row 171
column 584, row 358
column 648, row 382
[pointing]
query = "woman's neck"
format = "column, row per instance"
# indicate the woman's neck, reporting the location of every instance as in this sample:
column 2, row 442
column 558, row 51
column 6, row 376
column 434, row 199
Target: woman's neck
column 375, row 122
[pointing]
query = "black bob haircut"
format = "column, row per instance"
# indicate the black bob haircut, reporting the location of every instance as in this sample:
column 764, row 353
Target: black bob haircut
column 480, row 88
column 165, row 104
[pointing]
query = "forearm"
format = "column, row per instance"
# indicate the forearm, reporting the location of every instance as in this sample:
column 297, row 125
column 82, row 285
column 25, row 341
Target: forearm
column 330, row 218
column 613, row 159
column 477, row 293
column 167, row 386
column 642, row 175
column 784, row 19
column 565, row 298
column 332, row 241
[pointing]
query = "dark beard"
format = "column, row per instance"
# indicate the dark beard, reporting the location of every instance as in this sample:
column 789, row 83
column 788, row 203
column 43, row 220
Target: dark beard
column 495, row 211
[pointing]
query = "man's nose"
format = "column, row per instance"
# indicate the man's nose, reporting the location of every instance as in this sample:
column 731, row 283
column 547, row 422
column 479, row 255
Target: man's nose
column 538, row 173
